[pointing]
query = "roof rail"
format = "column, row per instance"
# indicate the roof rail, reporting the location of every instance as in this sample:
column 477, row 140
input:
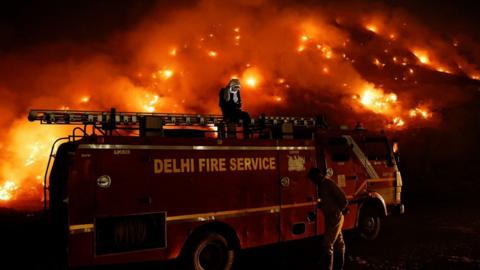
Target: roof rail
column 120, row 120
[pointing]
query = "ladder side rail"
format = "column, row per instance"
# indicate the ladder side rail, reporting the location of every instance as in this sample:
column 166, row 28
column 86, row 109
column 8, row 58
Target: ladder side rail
column 45, row 186
column 131, row 120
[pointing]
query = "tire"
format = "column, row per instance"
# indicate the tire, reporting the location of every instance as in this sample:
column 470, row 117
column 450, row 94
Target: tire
column 369, row 223
column 210, row 251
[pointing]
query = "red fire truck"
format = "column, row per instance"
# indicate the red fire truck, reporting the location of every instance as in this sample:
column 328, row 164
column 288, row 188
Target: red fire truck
column 142, row 187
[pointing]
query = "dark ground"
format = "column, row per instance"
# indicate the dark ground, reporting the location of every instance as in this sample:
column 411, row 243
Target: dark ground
column 431, row 235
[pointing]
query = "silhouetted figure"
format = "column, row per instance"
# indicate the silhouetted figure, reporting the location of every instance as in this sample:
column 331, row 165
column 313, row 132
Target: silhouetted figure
column 230, row 102
column 333, row 202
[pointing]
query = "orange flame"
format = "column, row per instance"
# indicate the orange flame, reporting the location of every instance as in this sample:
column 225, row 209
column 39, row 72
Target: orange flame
column 212, row 53
column 7, row 190
column 372, row 28
column 420, row 112
column 377, row 100
column 252, row 77
column 398, row 122
column 422, row 56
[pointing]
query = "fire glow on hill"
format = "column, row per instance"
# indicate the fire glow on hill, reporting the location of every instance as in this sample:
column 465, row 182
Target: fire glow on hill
column 175, row 61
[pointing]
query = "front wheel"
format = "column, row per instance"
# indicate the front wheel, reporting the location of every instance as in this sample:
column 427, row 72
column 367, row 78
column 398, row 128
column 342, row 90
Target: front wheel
column 211, row 251
column 369, row 223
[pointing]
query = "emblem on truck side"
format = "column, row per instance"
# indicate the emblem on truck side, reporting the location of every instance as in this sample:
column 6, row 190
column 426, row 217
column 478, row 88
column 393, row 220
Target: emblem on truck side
column 296, row 163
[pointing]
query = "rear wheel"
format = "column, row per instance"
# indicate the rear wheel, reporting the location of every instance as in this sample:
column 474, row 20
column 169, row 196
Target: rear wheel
column 369, row 223
column 211, row 251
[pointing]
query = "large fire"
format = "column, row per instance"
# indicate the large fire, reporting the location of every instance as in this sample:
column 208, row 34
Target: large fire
column 291, row 58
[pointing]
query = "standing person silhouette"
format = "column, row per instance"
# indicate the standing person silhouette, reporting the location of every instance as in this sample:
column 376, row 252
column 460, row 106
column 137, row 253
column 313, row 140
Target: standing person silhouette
column 333, row 202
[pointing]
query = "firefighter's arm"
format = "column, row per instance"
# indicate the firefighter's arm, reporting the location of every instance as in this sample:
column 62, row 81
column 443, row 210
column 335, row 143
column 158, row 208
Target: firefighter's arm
column 239, row 105
column 221, row 97
column 340, row 198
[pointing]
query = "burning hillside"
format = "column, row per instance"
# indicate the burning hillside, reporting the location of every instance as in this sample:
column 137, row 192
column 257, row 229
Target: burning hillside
column 292, row 59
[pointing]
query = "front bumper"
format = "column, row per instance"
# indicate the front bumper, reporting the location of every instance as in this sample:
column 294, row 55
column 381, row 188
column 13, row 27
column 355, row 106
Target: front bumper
column 396, row 209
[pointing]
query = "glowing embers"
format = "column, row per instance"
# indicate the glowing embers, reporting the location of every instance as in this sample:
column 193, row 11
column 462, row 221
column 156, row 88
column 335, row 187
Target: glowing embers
column 376, row 100
column 420, row 112
column 425, row 59
column 387, row 104
column 251, row 77
column 36, row 149
column 378, row 63
column 237, row 36
column 167, row 73
column 326, row 51
column 475, row 77
column 304, row 42
column 443, row 70
column 85, row 99
column 398, row 122
column 372, row 28
column 307, row 42
column 163, row 74
column 152, row 101
column 7, row 190
column 251, row 81
column 422, row 56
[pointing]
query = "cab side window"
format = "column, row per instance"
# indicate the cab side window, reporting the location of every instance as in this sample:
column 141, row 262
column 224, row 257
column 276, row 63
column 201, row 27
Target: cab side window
column 377, row 148
column 339, row 149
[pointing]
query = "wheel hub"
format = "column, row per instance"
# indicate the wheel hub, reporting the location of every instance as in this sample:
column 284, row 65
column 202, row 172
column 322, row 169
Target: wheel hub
column 369, row 224
column 212, row 257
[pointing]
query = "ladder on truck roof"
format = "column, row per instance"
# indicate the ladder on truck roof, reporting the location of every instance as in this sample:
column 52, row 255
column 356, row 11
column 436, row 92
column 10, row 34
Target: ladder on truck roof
column 114, row 120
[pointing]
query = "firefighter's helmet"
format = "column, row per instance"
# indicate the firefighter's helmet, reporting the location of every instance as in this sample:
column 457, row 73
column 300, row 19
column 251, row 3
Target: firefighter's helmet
column 234, row 85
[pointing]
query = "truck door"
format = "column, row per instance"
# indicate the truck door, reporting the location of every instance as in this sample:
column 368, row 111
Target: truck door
column 121, row 188
column 121, row 200
column 297, row 194
column 338, row 158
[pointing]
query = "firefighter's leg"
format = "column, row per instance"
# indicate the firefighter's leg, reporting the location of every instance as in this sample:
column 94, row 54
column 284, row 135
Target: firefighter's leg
column 333, row 228
column 339, row 253
column 230, row 119
column 246, row 123
column 328, row 242
column 339, row 248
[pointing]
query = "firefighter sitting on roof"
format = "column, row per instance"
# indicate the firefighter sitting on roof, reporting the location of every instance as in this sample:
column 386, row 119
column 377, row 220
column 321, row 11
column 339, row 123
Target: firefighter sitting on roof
column 231, row 103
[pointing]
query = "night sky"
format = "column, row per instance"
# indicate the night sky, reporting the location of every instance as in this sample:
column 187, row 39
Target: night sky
column 27, row 23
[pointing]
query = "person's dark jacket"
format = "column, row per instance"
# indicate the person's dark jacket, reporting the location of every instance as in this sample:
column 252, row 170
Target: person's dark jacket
column 332, row 198
column 226, row 102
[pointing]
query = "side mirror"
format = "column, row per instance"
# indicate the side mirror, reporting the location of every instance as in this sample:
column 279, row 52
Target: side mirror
column 389, row 160
column 395, row 150
column 397, row 157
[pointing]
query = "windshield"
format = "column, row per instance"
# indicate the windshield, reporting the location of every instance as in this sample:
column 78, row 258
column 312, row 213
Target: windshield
column 377, row 148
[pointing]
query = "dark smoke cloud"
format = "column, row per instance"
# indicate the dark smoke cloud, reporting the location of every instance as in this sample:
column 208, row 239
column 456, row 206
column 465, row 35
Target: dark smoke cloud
column 150, row 55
